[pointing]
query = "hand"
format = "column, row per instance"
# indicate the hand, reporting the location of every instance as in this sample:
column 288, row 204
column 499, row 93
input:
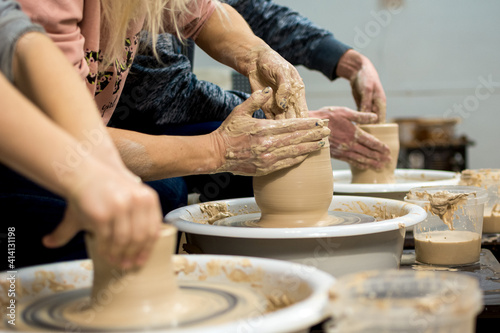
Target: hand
column 366, row 87
column 348, row 142
column 123, row 214
column 269, row 69
column 255, row 147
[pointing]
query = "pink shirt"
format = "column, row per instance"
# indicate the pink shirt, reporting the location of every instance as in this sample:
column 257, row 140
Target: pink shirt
column 75, row 26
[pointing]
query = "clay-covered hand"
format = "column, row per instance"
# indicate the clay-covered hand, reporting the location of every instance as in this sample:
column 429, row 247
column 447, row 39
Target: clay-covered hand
column 366, row 87
column 255, row 147
column 348, row 142
column 268, row 69
column 121, row 212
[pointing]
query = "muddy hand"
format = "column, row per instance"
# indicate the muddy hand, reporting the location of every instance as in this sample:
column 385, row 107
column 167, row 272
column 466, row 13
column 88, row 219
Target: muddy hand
column 366, row 87
column 348, row 142
column 255, row 147
column 269, row 69
column 123, row 214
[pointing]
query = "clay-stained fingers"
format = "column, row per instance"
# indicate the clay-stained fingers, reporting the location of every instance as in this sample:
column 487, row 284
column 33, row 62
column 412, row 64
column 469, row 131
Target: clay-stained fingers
column 254, row 102
column 273, row 127
column 273, row 142
column 373, row 143
column 355, row 159
column 286, row 157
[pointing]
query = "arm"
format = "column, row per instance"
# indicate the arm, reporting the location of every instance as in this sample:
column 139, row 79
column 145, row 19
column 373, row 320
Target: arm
column 301, row 42
column 227, row 38
column 242, row 145
column 99, row 197
column 292, row 35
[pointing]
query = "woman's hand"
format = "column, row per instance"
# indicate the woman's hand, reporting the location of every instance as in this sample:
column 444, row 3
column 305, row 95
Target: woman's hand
column 255, row 147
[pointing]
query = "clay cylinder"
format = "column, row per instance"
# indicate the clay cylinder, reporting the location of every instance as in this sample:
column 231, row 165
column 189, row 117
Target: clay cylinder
column 129, row 298
column 297, row 196
column 388, row 134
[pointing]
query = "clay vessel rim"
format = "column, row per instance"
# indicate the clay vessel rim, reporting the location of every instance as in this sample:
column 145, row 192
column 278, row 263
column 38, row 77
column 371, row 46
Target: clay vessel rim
column 182, row 218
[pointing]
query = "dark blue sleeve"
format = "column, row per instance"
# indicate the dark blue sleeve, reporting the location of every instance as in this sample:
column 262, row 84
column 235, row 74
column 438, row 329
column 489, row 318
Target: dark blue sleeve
column 292, row 35
column 168, row 93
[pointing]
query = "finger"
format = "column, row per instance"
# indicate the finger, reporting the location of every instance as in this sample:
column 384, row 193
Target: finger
column 267, row 127
column 283, row 95
column 366, row 100
column 360, row 161
column 379, row 106
column 120, row 239
column 255, row 101
column 361, row 117
column 142, row 225
column 373, row 143
column 280, row 157
column 281, row 164
column 63, row 233
column 272, row 143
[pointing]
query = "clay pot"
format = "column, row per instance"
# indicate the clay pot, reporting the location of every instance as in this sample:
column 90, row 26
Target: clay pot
column 388, row 134
column 298, row 196
column 137, row 297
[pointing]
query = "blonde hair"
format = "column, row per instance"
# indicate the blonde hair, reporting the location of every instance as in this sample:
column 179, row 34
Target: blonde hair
column 118, row 14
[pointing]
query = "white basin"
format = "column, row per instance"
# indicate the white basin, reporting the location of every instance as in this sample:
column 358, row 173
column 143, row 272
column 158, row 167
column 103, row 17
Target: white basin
column 336, row 249
column 307, row 286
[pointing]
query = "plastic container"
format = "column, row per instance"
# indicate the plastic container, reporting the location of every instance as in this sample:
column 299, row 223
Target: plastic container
column 405, row 301
column 488, row 179
column 451, row 233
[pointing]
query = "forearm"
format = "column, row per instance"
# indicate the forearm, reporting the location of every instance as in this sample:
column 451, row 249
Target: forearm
column 33, row 145
column 58, row 91
column 235, row 40
column 293, row 36
column 154, row 157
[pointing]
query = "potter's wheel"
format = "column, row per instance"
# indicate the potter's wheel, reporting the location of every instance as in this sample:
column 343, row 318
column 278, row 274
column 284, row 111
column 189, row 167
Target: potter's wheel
column 217, row 304
column 266, row 295
column 336, row 218
column 406, row 179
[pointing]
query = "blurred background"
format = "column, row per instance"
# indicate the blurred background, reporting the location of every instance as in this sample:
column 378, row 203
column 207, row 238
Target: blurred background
column 436, row 59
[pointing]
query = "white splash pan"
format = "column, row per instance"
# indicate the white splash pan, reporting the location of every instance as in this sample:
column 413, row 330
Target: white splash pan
column 309, row 309
column 338, row 249
column 406, row 179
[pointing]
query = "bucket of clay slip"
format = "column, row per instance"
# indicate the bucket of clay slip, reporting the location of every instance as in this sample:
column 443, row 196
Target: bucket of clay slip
column 407, row 301
column 451, row 233
column 489, row 179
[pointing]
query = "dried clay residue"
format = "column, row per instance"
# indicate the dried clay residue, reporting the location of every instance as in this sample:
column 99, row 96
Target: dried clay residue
column 379, row 211
column 214, row 212
column 442, row 204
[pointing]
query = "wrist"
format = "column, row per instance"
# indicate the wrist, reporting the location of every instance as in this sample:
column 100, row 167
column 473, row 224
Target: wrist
column 350, row 64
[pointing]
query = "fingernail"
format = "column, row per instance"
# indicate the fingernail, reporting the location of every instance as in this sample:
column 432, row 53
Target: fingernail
column 320, row 123
column 283, row 103
column 321, row 143
column 266, row 90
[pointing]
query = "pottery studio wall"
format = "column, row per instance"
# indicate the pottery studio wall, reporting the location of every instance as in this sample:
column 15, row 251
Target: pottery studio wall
column 435, row 59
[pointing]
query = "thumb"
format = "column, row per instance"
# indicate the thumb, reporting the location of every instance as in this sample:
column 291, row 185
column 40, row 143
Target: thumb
column 255, row 102
column 361, row 117
column 63, row 233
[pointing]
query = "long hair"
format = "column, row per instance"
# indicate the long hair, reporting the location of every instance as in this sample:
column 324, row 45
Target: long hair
column 118, row 14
